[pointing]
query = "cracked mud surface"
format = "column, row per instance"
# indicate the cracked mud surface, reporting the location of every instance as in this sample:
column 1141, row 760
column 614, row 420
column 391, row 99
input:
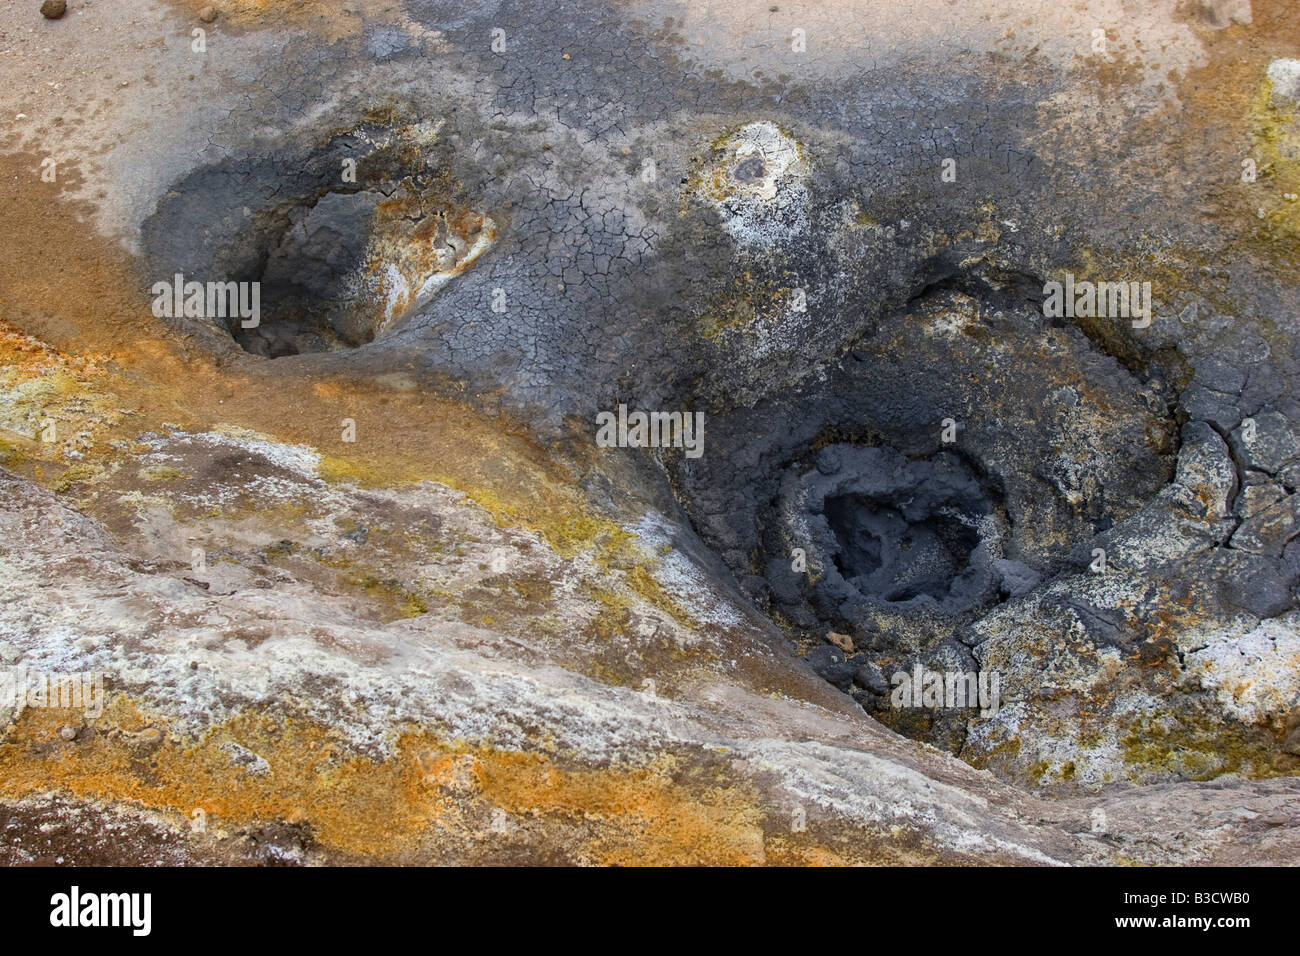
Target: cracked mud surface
column 360, row 582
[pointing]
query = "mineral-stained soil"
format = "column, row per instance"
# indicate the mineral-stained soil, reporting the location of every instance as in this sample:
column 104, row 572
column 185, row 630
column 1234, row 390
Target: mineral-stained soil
column 358, row 581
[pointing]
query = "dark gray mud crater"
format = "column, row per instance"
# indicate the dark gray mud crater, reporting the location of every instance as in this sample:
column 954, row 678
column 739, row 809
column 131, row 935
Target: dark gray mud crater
column 302, row 220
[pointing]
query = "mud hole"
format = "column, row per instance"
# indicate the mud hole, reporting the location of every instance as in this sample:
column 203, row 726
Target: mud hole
column 960, row 455
column 336, row 263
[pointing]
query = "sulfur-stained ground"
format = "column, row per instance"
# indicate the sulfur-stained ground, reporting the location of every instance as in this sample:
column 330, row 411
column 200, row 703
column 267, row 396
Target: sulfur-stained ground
column 361, row 586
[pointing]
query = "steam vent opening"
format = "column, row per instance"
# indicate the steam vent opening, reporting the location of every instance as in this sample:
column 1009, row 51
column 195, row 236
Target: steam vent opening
column 343, row 240
column 881, row 552
column 902, row 532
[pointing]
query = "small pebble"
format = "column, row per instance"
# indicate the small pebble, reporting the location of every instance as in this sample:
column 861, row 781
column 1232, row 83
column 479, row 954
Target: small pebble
column 53, row 9
column 843, row 641
column 68, row 733
column 208, row 14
